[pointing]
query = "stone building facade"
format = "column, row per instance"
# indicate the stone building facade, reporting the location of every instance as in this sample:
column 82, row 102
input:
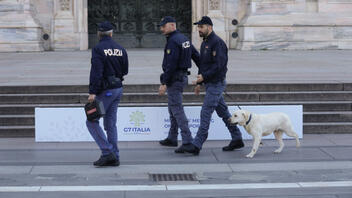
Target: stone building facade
column 42, row 25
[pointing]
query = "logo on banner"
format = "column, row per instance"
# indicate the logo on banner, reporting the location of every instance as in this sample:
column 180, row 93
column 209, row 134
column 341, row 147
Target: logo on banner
column 137, row 120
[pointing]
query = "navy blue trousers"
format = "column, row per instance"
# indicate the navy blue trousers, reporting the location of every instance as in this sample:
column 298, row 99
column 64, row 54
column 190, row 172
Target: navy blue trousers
column 178, row 117
column 107, row 143
column 214, row 101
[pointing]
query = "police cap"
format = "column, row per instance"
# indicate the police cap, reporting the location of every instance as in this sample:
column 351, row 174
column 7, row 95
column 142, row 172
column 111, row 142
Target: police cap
column 105, row 26
column 204, row 20
column 167, row 19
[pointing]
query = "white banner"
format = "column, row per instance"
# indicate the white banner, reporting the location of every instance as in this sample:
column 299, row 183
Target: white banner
column 144, row 123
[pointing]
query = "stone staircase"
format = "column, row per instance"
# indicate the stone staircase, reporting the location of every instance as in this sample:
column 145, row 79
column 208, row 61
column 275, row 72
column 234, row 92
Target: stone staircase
column 327, row 107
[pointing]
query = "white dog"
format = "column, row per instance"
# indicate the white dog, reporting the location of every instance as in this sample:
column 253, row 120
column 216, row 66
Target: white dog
column 259, row 125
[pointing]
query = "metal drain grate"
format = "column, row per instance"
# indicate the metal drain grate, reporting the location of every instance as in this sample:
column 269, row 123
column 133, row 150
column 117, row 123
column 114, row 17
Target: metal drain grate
column 172, row 177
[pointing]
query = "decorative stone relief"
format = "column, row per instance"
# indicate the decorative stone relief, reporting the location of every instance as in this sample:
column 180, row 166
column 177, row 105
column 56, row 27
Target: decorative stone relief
column 339, row 1
column 273, row 1
column 65, row 5
column 214, row 4
column 312, row 6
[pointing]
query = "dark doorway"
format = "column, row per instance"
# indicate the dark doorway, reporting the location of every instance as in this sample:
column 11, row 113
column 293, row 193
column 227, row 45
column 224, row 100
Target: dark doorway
column 136, row 21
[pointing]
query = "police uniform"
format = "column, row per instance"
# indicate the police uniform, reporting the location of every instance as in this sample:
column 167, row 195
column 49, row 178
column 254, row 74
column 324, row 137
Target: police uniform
column 213, row 68
column 178, row 53
column 109, row 64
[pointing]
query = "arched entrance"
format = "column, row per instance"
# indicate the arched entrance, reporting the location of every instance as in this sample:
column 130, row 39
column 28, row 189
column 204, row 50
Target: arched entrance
column 136, row 21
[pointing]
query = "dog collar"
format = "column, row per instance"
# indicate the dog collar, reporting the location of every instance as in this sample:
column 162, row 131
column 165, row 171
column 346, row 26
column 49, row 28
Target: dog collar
column 250, row 118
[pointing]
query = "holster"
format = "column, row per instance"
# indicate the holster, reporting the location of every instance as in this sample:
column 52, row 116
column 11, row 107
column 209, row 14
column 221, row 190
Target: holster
column 179, row 76
column 112, row 82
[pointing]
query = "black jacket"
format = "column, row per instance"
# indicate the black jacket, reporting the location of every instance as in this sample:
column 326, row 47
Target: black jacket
column 213, row 59
column 108, row 59
column 178, row 53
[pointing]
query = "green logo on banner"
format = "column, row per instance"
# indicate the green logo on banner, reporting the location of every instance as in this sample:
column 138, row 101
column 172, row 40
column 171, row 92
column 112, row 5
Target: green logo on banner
column 137, row 118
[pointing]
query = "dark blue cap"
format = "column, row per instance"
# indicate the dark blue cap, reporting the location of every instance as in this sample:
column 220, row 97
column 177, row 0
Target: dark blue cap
column 204, row 20
column 105, row 26
column 167, row 19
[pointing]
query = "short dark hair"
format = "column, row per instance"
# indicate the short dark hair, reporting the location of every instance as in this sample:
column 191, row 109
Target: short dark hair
column 106, row 33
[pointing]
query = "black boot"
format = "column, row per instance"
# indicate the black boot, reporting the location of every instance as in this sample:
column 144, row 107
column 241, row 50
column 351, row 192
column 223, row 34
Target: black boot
column 190, row 148
column 236, row 144
column 107, row 160
column 168, row 142
column 181, row 149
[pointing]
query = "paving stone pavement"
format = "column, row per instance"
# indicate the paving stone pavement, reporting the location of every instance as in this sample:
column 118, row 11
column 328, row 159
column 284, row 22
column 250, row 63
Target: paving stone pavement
column 72, row 68
column 35, row 169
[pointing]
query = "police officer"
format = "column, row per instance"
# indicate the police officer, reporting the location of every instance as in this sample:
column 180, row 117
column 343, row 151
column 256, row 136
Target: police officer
column 109, row 65
column 177, row 59
column 212, row 73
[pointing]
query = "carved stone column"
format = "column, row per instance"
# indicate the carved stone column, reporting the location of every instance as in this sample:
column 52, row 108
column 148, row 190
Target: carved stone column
column 63, row 26
column 235, row 10
column 198, row 10
column 222, row 13
column 215, row 12
column 81, row 18
column 213, row 9
column 18, row 31
column 70, row 25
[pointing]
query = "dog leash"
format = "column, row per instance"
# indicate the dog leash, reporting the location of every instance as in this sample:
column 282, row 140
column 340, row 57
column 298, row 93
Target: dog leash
column 232, row 99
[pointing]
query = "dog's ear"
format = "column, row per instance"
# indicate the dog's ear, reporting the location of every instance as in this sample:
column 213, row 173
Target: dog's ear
column 245, row 115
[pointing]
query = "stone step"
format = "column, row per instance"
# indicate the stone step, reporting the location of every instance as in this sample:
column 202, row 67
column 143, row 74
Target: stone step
column 308, row 117
column 15, row 109
column 327, row 107
column 288, row 87
column 73, row 98
column 323, row 117
column 306, row 96
column 241, row 97
column 308, row 106
column 17, row 131
column 189, row 88
column 67, row 98
column 28, row 109
column 17, row 120
column 247, row 96
column 43, row 89
column 331, row 127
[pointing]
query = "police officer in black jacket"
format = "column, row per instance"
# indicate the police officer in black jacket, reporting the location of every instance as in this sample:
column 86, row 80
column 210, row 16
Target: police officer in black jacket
column 178, row 53
column 212, row 73
column 109, row 64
